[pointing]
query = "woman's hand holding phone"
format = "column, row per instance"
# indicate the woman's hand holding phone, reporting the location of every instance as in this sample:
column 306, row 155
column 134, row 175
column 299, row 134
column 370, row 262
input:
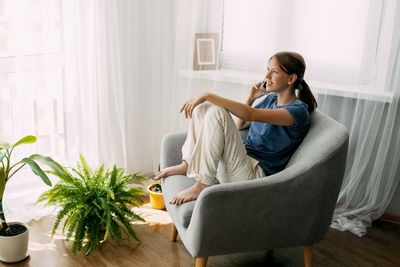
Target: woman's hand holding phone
column 257, row 91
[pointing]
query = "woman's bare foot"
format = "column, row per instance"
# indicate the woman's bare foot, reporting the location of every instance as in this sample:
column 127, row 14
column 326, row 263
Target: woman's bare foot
column 189, row 194
column 173, row 170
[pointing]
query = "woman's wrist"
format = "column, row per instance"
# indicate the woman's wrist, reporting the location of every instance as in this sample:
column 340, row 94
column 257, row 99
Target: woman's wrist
column 205, row 96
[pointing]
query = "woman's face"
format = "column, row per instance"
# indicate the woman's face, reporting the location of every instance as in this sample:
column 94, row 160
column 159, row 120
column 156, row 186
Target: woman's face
column 277, row 79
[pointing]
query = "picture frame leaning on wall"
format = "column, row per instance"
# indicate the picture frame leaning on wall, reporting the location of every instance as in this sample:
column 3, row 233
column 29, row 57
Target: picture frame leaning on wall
column 206, row 51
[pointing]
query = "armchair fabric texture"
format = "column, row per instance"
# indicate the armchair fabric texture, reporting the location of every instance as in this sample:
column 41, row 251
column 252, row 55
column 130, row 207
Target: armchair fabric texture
column 291, row 208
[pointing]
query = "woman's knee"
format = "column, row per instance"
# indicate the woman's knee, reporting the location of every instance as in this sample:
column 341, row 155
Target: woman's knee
column 216, row 112
column 201, row 110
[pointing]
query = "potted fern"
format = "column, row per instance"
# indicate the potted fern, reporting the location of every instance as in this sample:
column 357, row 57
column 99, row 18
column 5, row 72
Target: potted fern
column 95, row 204
column 14, row 236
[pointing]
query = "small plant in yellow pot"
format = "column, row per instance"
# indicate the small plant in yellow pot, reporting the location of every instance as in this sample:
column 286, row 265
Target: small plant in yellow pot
column 156, row 196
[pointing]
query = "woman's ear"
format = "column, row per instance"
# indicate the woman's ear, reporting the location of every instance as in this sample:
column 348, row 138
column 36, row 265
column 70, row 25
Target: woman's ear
column 292, row 78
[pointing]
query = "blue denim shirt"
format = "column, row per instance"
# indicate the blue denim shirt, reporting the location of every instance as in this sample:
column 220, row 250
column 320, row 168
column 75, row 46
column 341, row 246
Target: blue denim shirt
column 273, row 145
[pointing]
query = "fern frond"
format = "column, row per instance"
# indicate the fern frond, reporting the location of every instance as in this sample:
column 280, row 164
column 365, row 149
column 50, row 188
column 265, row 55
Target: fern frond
column 135, row 178
column 93, row 236
column 130, row 197
column 113, row 178
column 115, row 230
column 99, row 174
column 108, row 224
column 122, row 219
column 71, row 229
column 85, row 168
column 79, row 236
column 74, row 216
column 129, row 213
column 61, row 214
column 79, row 173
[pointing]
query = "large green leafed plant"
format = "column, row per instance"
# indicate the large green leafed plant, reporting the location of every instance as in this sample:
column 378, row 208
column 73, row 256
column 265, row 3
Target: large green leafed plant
column 8, row 169
column 95, row 204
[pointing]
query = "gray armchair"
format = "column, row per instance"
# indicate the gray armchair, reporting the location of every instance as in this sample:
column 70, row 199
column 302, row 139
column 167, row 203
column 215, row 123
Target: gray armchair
column 291, row 208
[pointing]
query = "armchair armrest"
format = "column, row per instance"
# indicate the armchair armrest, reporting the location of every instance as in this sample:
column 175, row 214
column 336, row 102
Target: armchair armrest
column 171, row 149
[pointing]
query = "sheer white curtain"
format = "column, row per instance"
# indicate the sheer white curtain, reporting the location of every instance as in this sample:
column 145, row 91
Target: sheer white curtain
column 31, row 86
column 373, row 172
column 119, row 98
column 115, row 84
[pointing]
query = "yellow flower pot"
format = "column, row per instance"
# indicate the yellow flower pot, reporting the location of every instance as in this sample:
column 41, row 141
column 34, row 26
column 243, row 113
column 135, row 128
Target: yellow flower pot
column 156, row 199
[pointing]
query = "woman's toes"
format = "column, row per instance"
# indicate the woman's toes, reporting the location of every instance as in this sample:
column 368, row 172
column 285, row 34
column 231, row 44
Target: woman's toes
column 172, row 201
column 181, row 200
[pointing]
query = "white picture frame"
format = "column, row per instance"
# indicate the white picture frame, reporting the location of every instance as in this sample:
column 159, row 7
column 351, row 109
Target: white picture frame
column 206, row 56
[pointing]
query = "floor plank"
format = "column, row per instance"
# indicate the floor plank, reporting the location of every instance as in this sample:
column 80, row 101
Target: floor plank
column 380, row 247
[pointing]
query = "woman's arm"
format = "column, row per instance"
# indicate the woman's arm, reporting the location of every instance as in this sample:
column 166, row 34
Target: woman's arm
column 240, row 123
column 254, row 93
column 240, row 110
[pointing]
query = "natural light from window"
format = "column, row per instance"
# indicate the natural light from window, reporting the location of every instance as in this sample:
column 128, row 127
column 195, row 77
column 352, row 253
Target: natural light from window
column 31, row 76
column 337, row 38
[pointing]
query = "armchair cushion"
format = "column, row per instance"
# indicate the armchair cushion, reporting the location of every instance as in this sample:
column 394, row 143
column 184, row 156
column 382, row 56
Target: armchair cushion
column 171, row 187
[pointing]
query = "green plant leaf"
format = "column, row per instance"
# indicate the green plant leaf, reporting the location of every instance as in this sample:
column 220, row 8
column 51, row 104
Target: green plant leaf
column 37, row 170
column 2, row 181
column 52, row 164
column 29, row 139
column 5, row 145
column 2, row 156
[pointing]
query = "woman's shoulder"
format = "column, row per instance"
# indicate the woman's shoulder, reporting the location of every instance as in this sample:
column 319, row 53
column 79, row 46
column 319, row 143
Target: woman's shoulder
column 299, row 110
column 300, row 103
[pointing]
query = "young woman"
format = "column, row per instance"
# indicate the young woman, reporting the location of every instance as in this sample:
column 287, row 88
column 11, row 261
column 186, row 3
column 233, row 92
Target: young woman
column 213, row 151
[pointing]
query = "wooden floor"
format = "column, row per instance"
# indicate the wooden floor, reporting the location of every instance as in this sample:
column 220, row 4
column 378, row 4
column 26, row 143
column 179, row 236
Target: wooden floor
column 380, row 247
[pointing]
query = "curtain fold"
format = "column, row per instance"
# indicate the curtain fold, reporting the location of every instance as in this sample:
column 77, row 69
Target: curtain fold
column 30, row 96
column 373, row 172
column 119, row 95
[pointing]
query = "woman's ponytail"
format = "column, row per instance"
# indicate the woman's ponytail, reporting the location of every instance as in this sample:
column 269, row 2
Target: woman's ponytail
column 307, row 96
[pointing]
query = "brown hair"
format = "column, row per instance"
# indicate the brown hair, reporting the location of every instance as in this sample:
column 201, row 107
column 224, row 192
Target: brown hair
column 293, row 63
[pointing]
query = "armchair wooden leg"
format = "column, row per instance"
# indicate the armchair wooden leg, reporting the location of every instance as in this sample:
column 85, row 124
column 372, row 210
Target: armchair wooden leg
column 308, row 252
column 201, row 262
column 174, row 233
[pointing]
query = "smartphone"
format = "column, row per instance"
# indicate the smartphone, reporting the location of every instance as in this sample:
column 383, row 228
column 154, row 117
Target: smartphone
column 264, row 87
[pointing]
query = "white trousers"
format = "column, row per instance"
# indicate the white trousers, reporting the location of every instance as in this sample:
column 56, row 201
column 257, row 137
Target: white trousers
column 214, row 150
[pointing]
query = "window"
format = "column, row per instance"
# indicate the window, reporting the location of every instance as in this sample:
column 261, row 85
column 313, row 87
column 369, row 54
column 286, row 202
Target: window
column 31, row 73
column 341, row 41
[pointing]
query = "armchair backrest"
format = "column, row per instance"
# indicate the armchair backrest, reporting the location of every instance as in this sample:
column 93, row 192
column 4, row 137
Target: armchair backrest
column 320, row 161
column 324, row 137
column 315, row 171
